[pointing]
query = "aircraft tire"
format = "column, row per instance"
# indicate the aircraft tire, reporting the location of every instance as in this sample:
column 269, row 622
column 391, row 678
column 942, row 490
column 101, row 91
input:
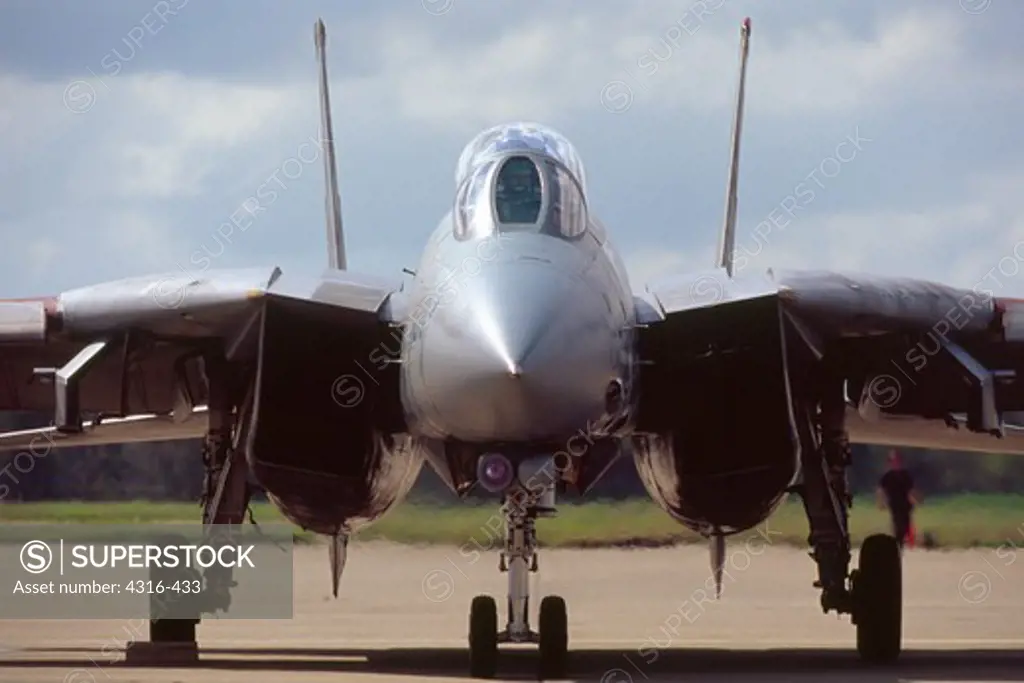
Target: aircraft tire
column 878, row 600
column 554, row 638
column 483, row 637
column 172, row 630
column 181, row 629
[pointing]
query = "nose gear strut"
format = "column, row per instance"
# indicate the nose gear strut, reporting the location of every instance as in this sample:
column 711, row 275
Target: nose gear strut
column 518, row 559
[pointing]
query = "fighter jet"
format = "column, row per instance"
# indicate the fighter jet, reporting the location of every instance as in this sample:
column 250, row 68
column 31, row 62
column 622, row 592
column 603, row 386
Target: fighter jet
column 521, row 360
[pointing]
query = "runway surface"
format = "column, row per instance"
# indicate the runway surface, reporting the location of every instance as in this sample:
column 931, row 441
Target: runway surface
column 635, row 616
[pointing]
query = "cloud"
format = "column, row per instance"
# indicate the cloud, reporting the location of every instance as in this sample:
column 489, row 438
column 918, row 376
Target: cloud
column 164, row 134
column 959, row 241
column 645, row 265
column 106, row 183
column 169, row 148
column 553, row 63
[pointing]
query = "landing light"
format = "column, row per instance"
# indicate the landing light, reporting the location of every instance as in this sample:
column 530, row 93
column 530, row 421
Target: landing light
column 494, row 472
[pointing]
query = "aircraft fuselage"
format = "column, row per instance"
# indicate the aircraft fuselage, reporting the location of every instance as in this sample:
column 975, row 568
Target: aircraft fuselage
column 521, row 317
column 517, row 337
column 521, row 339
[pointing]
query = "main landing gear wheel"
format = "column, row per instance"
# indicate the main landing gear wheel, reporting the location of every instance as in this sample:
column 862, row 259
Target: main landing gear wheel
column 483, row 637
column 173, row 620
column 173, row 630
column 554, row 638
column 878, row 600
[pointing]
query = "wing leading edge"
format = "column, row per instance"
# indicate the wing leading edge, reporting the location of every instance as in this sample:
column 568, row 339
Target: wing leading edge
column 129, row 352
column 908, row 344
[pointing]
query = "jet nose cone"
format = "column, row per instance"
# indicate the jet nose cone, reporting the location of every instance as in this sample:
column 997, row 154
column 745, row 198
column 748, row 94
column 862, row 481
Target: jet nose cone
column 509, row 315
column 524, row 352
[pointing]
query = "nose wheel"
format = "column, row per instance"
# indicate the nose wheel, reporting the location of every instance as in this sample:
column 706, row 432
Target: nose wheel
column 552, row 640
column 554, row 637
column 483, row 637
column 519, row 559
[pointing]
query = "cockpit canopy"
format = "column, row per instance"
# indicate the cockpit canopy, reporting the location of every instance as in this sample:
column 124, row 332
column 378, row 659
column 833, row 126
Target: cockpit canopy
column 519, row 178
column 520, row 193
column 526, row 137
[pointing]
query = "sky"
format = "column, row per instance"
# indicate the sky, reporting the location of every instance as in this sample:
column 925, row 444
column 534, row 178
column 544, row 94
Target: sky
column 879, row 137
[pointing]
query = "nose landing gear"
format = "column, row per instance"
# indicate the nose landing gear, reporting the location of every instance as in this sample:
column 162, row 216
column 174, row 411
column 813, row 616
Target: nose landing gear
column 518, row 560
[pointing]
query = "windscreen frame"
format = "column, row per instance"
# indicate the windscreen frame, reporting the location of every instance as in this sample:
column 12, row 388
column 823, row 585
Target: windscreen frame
column 474, row 211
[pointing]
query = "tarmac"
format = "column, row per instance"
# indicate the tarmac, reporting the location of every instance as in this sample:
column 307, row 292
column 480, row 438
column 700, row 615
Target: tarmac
column 635, row 616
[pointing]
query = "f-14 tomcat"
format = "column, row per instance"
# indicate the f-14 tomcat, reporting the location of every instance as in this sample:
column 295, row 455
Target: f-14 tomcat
column 520, row 360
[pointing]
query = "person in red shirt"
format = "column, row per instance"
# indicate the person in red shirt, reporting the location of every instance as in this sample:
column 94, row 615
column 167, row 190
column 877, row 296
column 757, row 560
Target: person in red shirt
column 896, row 491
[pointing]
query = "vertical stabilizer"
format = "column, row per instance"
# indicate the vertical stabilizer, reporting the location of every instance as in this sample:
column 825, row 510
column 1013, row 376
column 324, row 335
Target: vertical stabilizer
column 727, row 244
column 335, row 233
